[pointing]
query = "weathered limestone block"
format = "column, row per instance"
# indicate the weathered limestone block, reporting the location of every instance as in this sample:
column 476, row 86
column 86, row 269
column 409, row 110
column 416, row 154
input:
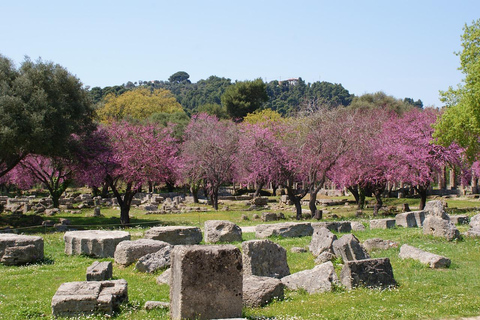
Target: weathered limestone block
column 269, row 216
column 175, row 234
column 264, row 258
column 357, row 226
column 349, row 248
column 20, row 249
column 127, row 252
column 206, row 282
column 322, row 240
column 95, row 243
column 406, row 220
column 84, row 298
column 222, row 231
column 379, row 244
column 438, row 227
column 339, row 226
column 99, row 271
column 165, row 277
column 474, row 230
column 155, row 261
column 321, row 278
column 370, row 273
column 431, row 259
column 151, row 305
column 436, row 208
column 286, row 230
column 259, row 291
column 382, row 223
column 324, row 257
column 419, row 217
column 459, row 219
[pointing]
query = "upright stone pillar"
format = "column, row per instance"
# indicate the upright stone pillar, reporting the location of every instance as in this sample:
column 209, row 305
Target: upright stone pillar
column 206, row 282
column 453, row 180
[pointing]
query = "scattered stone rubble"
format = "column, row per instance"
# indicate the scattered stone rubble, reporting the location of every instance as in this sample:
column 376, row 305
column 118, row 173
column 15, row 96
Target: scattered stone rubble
column 19, row 249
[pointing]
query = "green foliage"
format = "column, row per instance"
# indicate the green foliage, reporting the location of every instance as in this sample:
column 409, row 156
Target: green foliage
column 244, row 97
column 380, row 100
column 179, row 76
column 265, row 116
column 138, row 104
column 41, row 106
column 213, row 109
column 179, row 119
column 460, row 121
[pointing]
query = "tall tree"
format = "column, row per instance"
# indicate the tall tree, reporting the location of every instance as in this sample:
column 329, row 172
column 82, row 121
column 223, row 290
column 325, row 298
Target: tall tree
column 208, row 152
column 411, row 156
column 142, row 154
column 138, row 104
column 179, row 76
column 244, row 97
column 460, row 121
column 41, row 106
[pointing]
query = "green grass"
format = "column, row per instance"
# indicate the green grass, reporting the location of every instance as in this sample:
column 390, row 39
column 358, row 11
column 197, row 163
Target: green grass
column 422, row 293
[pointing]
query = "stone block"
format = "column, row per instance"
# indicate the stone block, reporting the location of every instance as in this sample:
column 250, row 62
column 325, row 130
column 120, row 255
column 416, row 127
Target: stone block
column 370, row 273
column 438, row 227
column 155, row 261
column 175, row 235
column 269, row 216
column 222, row 231
column 419, row 217
column 322, row 240
column 206, row 282
column 165, row 277
column 95, row 243
column 382, row 223
column 127, row 252
column 264, row 258
column 357, row 226
column 99, row 271
column 285, row 230
column 349, row 248
column 406, row 220
column 379, row 244
column 436, row 208
column 20, row 249
column 74, row 299
column 259, row 291
column 459, row 219
column 432, row 260
column 321, row 278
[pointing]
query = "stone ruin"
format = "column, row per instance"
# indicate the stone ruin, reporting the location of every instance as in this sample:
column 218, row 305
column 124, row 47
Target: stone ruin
column 206, row 282
column 94, row 243
column 74, row 299
column 19, row 249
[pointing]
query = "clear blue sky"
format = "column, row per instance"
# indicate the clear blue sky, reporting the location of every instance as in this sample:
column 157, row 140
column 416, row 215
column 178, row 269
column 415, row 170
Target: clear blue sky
column 404, row 47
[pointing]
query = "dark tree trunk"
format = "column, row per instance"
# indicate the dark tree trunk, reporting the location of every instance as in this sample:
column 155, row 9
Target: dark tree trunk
column 170, row 186
column 258, row 190
column 95, row 191
column 214, row 198
column 104, row 193
column 377, row 191
column 274, row 189
column 422, row 191
column 194, row 191
column 124, row 202
column 150, row 186
column 296, row 201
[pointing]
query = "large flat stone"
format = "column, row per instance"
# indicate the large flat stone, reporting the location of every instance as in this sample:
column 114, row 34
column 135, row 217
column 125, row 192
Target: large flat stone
column 95, row 243
column 321, row 278
column 19, row 249
column 74, row 299
column 285, row 230
column 432, row 260
column 370, row 273
column 127, row 252
column 176, row 235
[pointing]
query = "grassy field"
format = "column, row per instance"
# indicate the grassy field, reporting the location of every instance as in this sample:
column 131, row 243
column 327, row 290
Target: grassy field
column 423, row 293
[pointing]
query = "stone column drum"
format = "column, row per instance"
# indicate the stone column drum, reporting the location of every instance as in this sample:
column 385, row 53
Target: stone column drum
column 95, row 243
